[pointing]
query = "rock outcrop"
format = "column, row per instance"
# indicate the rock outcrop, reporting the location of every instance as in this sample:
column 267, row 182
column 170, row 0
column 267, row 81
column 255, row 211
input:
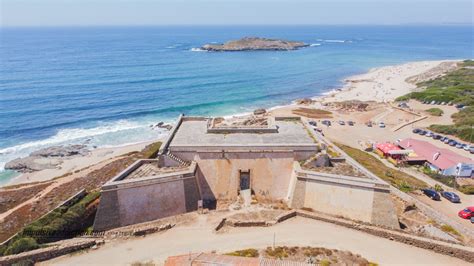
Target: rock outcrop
column 254, row 44
column 47, row 158
column 260, row 111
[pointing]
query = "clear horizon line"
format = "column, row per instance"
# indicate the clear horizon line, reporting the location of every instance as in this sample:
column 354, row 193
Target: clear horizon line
column 234, row 25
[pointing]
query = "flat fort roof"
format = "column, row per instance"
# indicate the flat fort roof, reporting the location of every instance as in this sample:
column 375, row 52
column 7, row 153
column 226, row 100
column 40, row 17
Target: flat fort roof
column 193, row 133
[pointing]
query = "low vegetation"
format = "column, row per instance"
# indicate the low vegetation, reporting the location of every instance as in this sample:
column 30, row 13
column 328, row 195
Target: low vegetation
column 91, row 181
column 456, row 87
column 450, row 230
column 64, row 222
column 435, row 111
column 151, row 150
column 248, row 253
column 398, row 179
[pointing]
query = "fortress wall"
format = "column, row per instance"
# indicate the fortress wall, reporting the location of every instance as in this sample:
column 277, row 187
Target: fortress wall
column 384, row 212
column 339, row 199
column 131, row 204
column 107, row 216
column 362, row 199
column 219, row 173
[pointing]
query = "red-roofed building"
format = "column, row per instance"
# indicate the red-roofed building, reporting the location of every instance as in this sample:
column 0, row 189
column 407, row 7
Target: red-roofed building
column 390, row 151
column 442, row 160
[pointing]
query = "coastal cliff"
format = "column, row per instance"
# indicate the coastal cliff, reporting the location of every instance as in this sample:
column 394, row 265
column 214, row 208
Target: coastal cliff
column 254, row 44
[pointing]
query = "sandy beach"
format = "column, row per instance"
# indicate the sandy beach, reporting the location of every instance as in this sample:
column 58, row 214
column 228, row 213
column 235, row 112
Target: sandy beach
column 385, row 84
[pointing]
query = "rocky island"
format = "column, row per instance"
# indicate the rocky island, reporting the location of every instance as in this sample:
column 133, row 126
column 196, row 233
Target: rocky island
column 254, row 44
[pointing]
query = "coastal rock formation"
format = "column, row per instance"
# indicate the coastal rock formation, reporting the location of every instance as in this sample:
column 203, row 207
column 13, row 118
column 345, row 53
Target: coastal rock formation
column 304, row 101
column 162, row 125
column 47, row 158
column 260, row 111
column 61, row 151
column 254, row 44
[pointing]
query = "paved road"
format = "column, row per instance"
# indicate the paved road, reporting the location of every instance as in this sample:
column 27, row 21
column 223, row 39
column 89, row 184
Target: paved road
column 298, row 231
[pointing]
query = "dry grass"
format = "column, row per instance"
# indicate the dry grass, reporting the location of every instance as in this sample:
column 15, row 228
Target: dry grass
column 312, row 113
column 398, row 179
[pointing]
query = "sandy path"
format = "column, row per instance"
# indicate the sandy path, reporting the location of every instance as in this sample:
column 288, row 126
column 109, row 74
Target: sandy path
column 58, row 182
column 297, row 231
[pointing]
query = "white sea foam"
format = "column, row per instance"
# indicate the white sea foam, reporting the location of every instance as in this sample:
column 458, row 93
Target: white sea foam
column 197, row 50
column 333, row 41
column 71, row 134
column 315, row 44
column 120, row 133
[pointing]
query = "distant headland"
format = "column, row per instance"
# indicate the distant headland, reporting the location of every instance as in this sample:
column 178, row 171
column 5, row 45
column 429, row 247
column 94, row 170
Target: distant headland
column 254, row 44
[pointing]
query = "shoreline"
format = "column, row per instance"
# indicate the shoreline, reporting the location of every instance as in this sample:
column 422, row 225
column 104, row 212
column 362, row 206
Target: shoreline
column 381, row 84
column 72, row 164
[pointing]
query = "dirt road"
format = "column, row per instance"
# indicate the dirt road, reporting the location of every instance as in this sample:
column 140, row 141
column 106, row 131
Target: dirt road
column 298, row 231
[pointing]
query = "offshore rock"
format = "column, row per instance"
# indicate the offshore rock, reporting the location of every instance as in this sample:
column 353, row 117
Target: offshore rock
column 254, row 44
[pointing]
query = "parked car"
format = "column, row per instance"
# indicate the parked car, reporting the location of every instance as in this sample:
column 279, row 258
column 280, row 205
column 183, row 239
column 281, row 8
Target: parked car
column 459, row 145
column 443, row 139
column 381, row 124
column 313, row 123
column 472, row 220
column 466, row 213
column 443, row 103
column 437, row 136
column 423, row 132
column 447, row 140
column 350, row 123
column 466, row 147
column 451, row 196
column 416, row 130
column 433, row 102
column 459, row 106
column 429, row 134
column 369, row 124
column 326, row 122
column 431, row 193
column 452, row 143
column 471, row 149
column 318, row 129
column 342, row 123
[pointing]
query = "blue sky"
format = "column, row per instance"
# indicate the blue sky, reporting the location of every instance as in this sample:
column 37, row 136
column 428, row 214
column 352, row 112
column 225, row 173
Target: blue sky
column 233, row 12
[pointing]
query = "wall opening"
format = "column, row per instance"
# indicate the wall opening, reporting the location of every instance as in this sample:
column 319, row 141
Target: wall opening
column 244, row 180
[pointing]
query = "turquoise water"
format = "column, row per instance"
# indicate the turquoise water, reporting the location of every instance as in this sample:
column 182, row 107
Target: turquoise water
column 107, row 85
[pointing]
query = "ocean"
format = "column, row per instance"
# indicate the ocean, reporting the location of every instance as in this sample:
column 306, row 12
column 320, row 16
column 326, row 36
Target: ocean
column 105, row 86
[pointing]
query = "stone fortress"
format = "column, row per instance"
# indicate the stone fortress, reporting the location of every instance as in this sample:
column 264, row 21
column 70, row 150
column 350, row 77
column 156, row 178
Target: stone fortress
column 205, row 161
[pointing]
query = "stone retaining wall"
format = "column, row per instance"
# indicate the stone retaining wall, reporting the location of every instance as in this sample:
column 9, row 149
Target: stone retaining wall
column 59, row 249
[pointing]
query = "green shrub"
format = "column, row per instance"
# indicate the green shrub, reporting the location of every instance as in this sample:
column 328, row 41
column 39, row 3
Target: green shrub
column 151, row 150
column 438, row 187
column 3, row 248
column 324, row 263
column 456, row 87
column 21, row 245
column 467, row 189
column 435, row 111
column 249, row 253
